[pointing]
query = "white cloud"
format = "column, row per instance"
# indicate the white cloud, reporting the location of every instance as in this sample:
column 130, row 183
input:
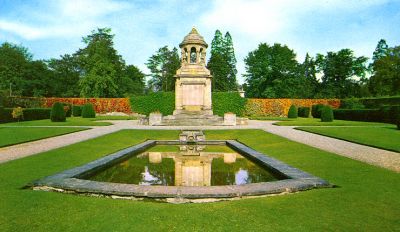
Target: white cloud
column 62, row 19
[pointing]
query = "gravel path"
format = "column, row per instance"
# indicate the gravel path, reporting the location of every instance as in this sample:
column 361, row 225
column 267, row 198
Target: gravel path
column 374, row 156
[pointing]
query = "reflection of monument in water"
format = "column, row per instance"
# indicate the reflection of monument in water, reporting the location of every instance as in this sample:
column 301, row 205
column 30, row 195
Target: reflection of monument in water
column 192, row 168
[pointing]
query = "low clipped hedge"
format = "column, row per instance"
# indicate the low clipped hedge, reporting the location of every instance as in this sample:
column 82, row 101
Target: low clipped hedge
column 223, row 102
column 5, row 115
column 29, row 114
column 76, row 111
column 164, row 102
column 316, row 110
column 387, row 114
column 327, row 114
column 292, row 112
column 88, row 111
column 36, row 113
column 57, row 112
column 303, row 112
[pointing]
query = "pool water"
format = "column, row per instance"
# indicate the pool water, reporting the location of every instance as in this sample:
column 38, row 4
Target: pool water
column 174, row 165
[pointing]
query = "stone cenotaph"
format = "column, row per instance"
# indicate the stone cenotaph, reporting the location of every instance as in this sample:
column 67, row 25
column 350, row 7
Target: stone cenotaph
column 193, row 103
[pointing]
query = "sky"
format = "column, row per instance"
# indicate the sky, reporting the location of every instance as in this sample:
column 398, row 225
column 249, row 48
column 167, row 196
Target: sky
column 50, row 28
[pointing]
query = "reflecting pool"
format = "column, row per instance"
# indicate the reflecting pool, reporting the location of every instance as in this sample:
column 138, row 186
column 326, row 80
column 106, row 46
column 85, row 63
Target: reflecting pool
column 185, row 165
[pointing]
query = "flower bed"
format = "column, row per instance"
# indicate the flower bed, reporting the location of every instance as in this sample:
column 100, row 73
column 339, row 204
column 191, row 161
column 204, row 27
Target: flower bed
column 101, row 105
column 280, row 107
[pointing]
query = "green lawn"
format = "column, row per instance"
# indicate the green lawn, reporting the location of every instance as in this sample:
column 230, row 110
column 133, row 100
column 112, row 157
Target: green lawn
column 10, row 136
column 72, row 121
column 317, row 122
column 382, row 137
column 367, row 198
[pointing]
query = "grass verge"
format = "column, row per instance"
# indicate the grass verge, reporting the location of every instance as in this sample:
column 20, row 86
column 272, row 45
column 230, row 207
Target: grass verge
column 72, row 121
column 387, row 138
column 11, row 136
column 317, row 122
column 367, row 199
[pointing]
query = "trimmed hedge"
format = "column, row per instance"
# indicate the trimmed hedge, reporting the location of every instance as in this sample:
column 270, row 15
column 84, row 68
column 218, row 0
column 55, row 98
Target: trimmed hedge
column 380, row 101
column 88, row 111
column 5, row 115
column 369, row 115
column 164, row 102
column 316, row 110
column 326, row 114
column 303, row 112
column 292, row 112
column 36, row 113
column 224, row 102
column 57, row 112
column 387, row 114
column 352, row 103
column 76, row 111
column 29, row 114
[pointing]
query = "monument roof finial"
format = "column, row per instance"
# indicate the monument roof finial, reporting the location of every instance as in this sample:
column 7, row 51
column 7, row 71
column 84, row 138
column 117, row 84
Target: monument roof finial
column 194, row 30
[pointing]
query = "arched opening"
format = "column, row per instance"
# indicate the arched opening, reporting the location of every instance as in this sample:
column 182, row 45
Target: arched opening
column 193, row 55
column 201, row 55
column 185, row 58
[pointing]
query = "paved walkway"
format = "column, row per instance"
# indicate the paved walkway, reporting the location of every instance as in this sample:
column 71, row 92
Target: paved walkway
column 374, row 156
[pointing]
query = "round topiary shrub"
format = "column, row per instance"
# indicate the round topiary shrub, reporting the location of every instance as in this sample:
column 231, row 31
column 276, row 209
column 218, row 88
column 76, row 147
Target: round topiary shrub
column 76, row 110
column 304, row 112
column 292, row 112
column 88, row 111
column 316, row 110
column 57, row 113
column 327, row 114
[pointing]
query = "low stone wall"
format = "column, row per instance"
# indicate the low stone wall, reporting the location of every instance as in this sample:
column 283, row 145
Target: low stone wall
column 280, row 107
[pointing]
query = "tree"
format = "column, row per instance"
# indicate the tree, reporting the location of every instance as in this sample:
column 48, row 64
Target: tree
column 222, row 63
column 273, row 72
column 342, row 74
column 386, row 78
column 135, row 82
column 217, row 44
column 163, row 66
column 381, row 50
column 66, row 74
column 220, row 70
column 25, row 76
column 13, row 63
column 102, row 67
column 229, row 53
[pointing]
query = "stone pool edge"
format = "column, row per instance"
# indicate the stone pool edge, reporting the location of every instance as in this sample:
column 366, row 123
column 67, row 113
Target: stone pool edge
column 68, row 181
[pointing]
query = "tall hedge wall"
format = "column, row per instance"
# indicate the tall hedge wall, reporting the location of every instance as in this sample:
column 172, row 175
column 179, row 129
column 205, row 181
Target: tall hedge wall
column 378, row 102
column 158, row 101
column 223, row 102
column 165, row 103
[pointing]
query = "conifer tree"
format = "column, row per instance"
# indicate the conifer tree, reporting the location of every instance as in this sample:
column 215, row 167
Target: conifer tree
column 222, row 63
column 231, row 59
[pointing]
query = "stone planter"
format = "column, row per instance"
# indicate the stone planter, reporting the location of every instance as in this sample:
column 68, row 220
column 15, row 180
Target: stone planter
column 155, row 118
column 230, row 119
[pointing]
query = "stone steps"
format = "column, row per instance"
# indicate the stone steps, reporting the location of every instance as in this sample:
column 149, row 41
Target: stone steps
column 194, row 121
